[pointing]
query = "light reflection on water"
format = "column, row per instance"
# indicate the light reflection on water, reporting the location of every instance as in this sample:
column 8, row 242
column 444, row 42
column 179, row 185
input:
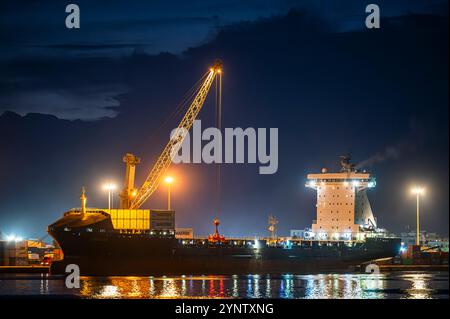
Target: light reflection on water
column 419, row 286
column 338, row 286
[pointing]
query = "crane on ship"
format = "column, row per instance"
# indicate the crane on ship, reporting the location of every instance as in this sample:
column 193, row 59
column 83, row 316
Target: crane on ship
column 134, row 198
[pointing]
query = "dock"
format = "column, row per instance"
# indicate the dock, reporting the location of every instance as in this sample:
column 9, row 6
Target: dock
column 392, row 264
column 389, row 268
column 35, row 269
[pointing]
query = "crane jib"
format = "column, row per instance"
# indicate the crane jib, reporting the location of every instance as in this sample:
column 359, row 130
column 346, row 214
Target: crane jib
column 165, row 159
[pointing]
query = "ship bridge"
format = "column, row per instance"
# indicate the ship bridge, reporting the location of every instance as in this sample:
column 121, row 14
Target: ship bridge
column 343, row 209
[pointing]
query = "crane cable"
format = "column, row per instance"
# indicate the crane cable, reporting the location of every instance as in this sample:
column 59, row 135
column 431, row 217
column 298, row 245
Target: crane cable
column 218, row 108
column 184, row 103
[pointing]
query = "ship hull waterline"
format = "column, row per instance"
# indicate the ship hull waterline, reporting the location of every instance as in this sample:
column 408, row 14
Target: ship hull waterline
column 127, row 255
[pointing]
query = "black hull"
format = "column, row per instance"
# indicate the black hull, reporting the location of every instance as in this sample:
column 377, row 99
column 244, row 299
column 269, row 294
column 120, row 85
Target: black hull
column 93, row 244
column 117, row 254
column 160, row 267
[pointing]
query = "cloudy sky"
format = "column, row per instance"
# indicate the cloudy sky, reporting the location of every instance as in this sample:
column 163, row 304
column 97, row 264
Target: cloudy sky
column 310, row 68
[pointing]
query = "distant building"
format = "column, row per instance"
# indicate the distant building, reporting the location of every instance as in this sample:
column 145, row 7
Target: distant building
column 343, row 209
column 297, row 233
column 409, row 238
column 184, row 233
column 426, row 239
column 2, row 253
column 442, row 244
column 21, row 252
column 13, row 253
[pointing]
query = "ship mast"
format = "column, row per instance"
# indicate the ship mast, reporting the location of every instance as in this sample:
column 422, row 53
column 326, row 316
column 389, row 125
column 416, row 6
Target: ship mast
column 273, row 222
column 83, row 201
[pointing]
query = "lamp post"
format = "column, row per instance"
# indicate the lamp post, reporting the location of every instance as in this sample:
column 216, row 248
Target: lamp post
column 110, row 188
column 417, row 190
column 168, row 180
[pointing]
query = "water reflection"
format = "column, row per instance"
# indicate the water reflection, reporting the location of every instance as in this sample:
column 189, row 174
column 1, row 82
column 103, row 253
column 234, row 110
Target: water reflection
column 169, row 289
column 340, row 286
column 235, row 287
column 183, row 287
column 249, row 287
column 419, row 286
column 44, row 284
column 109, row 291
column 152, row 289
column 268, row 288
column 286, row 289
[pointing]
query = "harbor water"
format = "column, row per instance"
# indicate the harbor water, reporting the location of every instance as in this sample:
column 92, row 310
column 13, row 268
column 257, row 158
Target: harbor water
column 395, row 285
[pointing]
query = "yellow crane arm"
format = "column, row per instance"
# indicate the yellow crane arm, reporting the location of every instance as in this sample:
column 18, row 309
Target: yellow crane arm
column 165, row 159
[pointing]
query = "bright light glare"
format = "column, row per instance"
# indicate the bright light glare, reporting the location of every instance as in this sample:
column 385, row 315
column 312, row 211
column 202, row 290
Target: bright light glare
column 109, row 186
column 418, row 190
column 355, row 183
column 168, row 180
column 14, row 238
column 312, row 183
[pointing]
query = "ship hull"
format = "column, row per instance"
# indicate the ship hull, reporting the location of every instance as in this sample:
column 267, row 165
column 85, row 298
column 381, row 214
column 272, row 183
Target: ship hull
column 91, row 242
column 118, row 254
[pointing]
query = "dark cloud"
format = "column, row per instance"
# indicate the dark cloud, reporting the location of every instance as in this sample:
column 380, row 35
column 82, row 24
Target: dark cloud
column 327, row 93
column 87, row 103
column 42, row 61
column 87, row 46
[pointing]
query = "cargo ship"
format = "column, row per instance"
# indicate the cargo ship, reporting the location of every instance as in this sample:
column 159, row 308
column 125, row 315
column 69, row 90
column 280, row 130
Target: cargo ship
column 135, row 241
column 142, row 242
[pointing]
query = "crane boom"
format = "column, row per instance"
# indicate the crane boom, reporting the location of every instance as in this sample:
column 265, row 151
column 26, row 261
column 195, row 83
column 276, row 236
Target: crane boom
column 165, row 159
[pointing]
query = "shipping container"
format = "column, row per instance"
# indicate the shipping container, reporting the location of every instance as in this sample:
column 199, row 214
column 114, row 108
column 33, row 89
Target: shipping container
column 162, row 219
column 142, row 219
column 130, row 218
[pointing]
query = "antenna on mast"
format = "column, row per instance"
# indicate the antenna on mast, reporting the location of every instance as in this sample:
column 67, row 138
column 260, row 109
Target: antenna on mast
column 83, row 200
column 273, row 222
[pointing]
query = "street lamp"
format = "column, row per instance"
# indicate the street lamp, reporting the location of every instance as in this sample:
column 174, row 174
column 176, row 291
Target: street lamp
column 418, row 190
column 110, row 187
column 168, row 180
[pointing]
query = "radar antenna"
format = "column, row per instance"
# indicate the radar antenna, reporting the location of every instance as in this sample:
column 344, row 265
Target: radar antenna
column 346, row 166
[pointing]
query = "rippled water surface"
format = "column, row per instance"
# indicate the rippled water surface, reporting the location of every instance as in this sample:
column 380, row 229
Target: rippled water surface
column 391, row 285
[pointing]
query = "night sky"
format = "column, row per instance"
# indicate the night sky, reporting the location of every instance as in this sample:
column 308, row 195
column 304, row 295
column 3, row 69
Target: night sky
column 72, row 102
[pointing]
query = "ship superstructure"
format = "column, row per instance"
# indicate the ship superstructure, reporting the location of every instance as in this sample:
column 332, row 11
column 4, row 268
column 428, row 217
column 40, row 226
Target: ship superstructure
column 343, row 209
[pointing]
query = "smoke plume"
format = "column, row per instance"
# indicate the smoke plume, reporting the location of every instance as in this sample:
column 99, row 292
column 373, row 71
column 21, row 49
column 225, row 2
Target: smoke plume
column 390, row 153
